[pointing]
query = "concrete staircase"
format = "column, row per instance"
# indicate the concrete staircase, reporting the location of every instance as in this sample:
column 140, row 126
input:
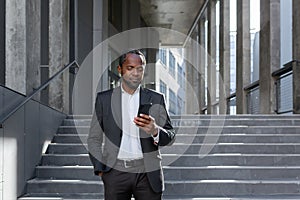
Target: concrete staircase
column 214, row 157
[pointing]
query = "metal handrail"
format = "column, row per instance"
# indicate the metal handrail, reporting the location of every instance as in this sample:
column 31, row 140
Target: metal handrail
column 251, row 86
column 233, row 95
column 43, row 86
column 280, row 74
column 288, row 67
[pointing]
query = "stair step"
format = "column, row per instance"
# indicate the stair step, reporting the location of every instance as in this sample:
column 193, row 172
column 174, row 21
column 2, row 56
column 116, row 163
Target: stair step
column 243, row 116
column 180, row 148
column 208, row 122
column 181, row 173
column 165, row 197
column 79, row 117
column 190, row 159
column 227, row 188
column 64, row 196
column 41, row 198
column 67, row 148
column 202, row 138
column 249, row 197
column 213, row 117
column 235, row 122
column 204, row 129
column 207, row 188
column 64, row 186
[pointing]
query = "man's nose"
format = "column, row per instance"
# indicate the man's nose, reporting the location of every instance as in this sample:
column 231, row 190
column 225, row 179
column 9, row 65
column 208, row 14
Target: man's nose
column 136, row 71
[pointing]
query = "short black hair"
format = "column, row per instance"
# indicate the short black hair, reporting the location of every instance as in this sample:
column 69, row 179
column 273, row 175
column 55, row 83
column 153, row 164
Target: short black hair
column 135, row 51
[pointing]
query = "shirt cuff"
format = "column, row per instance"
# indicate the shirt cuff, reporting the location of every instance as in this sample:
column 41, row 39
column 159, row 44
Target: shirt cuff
column 156, row 138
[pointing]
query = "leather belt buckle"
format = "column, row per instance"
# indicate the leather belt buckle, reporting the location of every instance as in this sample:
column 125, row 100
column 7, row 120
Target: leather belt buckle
column 131, row 163
column 126, row 164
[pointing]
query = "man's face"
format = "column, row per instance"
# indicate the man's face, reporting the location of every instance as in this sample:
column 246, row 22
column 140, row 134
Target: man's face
column 132, row 72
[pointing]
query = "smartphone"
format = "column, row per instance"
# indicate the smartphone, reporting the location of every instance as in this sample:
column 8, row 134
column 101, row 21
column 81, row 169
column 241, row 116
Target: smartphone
column 144, row 109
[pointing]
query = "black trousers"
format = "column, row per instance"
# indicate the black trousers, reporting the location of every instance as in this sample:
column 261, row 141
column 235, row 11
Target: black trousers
column 122, row 184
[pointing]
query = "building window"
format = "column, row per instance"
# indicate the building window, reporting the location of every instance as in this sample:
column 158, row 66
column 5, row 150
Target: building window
column 179, row 105
column 163, row 88
column 163, row 56
column 172, row 102
column 180, row 75
column 172, row 64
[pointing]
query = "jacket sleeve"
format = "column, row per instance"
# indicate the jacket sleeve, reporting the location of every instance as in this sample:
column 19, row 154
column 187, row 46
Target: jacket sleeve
column 95, row 138
column 166, row 130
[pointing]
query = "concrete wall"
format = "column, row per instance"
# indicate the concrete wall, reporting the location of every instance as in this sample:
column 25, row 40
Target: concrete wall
column 23, row 138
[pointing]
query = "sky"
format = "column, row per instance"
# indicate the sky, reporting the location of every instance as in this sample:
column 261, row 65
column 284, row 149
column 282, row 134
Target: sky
column 254, row 15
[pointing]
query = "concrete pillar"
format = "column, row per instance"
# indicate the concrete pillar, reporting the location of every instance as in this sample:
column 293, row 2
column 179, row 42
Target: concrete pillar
column 296, row 30
column 33, row 44
column 131, row 16
column 100, row 33
column 202, row 64
column 22, row 45
column 243, row 63
column 130, row 20
column 59, row 53
column 195, row 69
column 269, row 53
column 2, row 42
column 211, row 68
column 190, row 90
column 84, row 41
column 224, row 78
column 296, row 87
column 15, row 45
column 296, row 56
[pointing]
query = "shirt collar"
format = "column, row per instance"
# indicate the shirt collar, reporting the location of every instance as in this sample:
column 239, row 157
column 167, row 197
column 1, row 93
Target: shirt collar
column 135, row 92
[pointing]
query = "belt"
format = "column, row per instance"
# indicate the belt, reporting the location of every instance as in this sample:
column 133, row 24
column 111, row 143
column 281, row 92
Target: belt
column 130, row 163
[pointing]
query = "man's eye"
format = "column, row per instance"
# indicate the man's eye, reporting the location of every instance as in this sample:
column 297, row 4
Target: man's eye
column 129, row 68
column 140, row 69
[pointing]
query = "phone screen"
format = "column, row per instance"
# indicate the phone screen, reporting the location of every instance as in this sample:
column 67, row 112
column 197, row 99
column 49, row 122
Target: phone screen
column 144, row 109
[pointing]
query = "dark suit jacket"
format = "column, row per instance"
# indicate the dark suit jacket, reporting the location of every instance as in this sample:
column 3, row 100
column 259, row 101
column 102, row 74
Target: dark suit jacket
column 106, row 132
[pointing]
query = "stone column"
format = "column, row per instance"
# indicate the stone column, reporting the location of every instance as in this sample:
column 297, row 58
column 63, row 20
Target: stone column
column 269, row 53
column 211, row 68
column 243, row 63
column 84, row 42
column 196, row 68
column 296, row 56
column 131, row 14
column 33, row 45
column 190, row 91
column 22, row 45
column 224, row 78
column 59, row 53
column 15, row 45
column 202, row 64
column 100, row 59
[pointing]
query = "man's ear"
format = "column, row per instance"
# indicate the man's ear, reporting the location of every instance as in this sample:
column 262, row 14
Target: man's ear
column 119, row 69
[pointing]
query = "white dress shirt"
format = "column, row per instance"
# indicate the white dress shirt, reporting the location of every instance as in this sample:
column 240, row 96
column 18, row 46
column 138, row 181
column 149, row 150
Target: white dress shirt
column 130, row 148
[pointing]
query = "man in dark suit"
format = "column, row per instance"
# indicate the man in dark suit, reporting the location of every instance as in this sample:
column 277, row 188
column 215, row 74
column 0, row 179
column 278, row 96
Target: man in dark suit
column 124, row 145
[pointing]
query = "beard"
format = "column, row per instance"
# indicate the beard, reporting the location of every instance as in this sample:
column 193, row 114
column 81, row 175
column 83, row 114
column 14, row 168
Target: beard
column 131, row 84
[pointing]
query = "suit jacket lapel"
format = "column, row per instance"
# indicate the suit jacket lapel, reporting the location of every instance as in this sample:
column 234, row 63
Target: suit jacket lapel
column 145, row 97
column 116, row 108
